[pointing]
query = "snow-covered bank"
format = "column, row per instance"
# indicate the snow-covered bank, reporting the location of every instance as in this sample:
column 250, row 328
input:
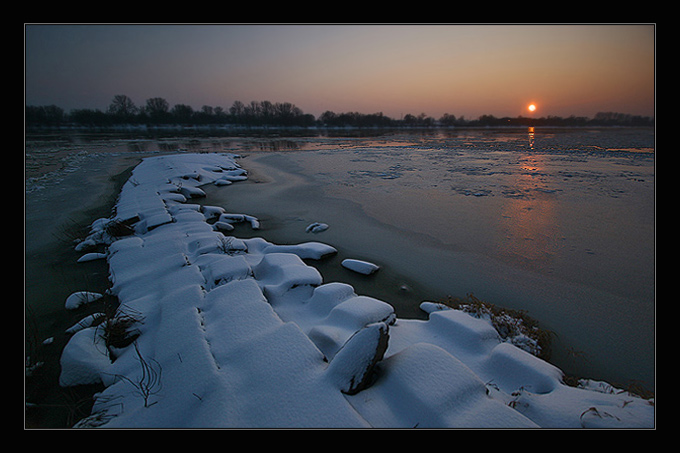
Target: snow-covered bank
column 233, row 332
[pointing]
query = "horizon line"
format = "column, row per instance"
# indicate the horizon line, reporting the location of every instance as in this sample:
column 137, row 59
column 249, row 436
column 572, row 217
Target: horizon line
column 226, row 112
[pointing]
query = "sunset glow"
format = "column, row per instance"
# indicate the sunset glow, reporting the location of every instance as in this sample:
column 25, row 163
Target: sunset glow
column 467, row 70
column 532, row 108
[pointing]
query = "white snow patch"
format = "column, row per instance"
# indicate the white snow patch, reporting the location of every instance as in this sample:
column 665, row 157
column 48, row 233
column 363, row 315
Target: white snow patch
column 84, row 359
column 316, row 227
column 91, row 257
column 85, row 322
column 79, row 298
column 362, row 267
column 238, row 218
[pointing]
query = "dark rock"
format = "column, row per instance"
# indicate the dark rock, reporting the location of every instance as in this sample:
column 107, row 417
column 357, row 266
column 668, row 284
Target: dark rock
column 352, row 367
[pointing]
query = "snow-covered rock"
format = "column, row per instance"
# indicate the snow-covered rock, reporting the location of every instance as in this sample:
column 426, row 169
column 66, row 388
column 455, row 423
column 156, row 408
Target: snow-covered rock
column 362, row 267
column 79, row 298
column 316, row 227
column 352, row 367
column 280, row 272
column 91, row 257
column 423, row 386
column 191, row 192
column 238, row 218
column 306, row 250
column 345, row 319
column 223, row 226
column 84, row 359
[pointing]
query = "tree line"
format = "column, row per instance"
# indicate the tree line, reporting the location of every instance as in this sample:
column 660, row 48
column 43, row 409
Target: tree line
column 157, row 111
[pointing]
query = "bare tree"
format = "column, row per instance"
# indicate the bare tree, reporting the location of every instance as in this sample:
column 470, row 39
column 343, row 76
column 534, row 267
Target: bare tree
column 122, row 106
column 182, row 113
column 157, row 107
column 237, row 108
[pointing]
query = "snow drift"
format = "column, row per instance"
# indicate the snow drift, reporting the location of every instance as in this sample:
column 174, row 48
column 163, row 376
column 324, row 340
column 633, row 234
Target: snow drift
column 236, row 332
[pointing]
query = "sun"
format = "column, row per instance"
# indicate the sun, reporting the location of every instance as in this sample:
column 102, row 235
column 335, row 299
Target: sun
column 532, row 107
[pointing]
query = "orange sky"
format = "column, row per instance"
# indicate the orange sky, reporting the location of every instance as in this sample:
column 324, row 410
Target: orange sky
column 465, row 70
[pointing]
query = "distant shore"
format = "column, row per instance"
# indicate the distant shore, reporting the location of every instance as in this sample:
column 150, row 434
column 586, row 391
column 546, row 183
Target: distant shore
column 239, row 129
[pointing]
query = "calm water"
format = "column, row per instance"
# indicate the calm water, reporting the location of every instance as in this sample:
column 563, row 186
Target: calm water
column 557, row 222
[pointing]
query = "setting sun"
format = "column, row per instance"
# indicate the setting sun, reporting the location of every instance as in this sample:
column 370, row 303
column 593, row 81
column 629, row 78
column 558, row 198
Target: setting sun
column 532, row 107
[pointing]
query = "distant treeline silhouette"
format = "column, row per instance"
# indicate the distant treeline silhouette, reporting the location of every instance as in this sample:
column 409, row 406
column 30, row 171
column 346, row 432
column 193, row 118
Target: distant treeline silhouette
column 157, row 111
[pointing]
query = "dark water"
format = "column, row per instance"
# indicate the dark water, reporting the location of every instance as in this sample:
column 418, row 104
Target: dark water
column 557, row 222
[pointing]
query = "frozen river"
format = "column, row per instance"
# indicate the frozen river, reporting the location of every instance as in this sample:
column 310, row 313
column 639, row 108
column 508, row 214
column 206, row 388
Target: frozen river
column 558, row 222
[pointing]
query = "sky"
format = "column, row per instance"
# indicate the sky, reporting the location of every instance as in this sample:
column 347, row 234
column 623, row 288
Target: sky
column 463, row 70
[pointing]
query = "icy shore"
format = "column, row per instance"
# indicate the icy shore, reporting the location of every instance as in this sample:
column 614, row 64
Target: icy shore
column 226, row 332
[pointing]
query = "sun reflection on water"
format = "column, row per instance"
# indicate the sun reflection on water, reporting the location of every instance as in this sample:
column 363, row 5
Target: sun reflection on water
column 528, row 216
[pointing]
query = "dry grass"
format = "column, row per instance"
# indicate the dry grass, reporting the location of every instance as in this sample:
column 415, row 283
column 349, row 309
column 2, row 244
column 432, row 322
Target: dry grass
column 119, row 325
column 117, row 228
column 512, row 325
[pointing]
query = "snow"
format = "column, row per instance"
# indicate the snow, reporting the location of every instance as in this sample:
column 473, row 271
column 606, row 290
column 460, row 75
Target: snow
column 91, row 257
column 316, row 227
column 280, row 272
column 423, row 386
column 362, row 267
column 236, row 218
column 84, row 359
column 85, row 322
column 243, row 333
column 353, row 366
column 79, row 298
column 346, row 318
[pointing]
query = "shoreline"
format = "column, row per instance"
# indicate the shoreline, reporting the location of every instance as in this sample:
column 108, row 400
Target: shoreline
column 513, row 288
column 401, row 336
column 51, row 274
column 174, row 129
column 297, row 209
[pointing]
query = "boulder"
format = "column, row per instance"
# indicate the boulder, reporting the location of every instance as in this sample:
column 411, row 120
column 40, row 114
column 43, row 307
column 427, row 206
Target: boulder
column 352, row 367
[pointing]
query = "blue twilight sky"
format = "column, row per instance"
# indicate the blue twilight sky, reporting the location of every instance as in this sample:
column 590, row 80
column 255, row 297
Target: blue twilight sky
column 395, row 69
